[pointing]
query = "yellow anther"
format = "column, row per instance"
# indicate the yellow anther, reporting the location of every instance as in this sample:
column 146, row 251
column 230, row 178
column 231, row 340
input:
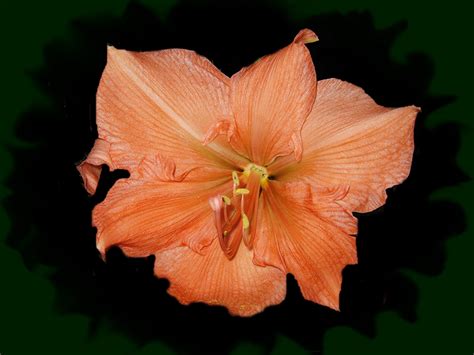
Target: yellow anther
column 260, row 170
column 245, row 221
column 225, row 233
column 226, row 200
column 242, row 191
column 235, row 178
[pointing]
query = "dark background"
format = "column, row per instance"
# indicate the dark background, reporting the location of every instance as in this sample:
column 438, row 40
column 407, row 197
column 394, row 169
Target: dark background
column 413, row 289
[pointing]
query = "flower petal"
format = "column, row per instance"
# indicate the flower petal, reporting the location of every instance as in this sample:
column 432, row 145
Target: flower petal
column 162, row 101
column 349, row 139
column 238, row 284
column 271, row 99
column 157, row 210
column 90, row 168
column 303, row 230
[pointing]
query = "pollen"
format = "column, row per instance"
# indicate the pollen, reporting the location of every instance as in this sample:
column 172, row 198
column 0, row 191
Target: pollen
column 235, row 179
column 242, row 191
column 245, row 221
column 226, row 200
column 260, row 170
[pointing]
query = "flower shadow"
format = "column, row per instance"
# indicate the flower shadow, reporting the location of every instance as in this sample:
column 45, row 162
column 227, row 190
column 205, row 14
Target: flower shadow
column 51, row 212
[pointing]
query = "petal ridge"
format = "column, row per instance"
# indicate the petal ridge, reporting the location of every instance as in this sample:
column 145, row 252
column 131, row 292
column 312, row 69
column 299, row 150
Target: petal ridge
column 271, row 100
column 349, row 139
column 156, row 209
column 90, row 168
column 244, row 288
column 304, row 231
column 163, row 101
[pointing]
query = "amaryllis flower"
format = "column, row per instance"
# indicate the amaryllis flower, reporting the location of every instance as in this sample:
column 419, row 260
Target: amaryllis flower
column 235, row 182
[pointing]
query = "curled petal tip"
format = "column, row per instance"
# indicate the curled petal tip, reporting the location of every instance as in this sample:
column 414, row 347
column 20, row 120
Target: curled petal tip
column 111, row 48
column 297, row 145
column 100, row 245
column 305, row 36
column 113, row 52
column 221, row 127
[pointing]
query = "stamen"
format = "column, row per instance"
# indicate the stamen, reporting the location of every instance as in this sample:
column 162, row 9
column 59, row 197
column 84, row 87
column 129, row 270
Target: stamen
column 242, row 205
column 234, row 222
column 242, row 192
column 226, row 200
column 235, row 179
column 229, row 237
column 259, row 170
column 257, row 177
column 245, row 227
column 245, row 221
column 226, row 216
column 264, row 181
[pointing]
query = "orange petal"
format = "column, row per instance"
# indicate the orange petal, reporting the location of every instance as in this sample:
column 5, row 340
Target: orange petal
column 304, row 231
column 238, row 284
column 162, row 101
column 90, row 168
column 350, row 140
column 156, row 211
column 271, row 100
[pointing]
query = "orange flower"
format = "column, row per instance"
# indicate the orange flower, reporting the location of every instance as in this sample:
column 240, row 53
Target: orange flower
column 235, row 182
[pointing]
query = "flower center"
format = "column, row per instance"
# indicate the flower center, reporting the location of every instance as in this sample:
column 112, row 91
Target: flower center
column 259, row 170
column 235, row 216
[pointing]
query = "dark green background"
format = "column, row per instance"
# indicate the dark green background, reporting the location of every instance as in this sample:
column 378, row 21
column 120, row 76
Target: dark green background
column 443, row 30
